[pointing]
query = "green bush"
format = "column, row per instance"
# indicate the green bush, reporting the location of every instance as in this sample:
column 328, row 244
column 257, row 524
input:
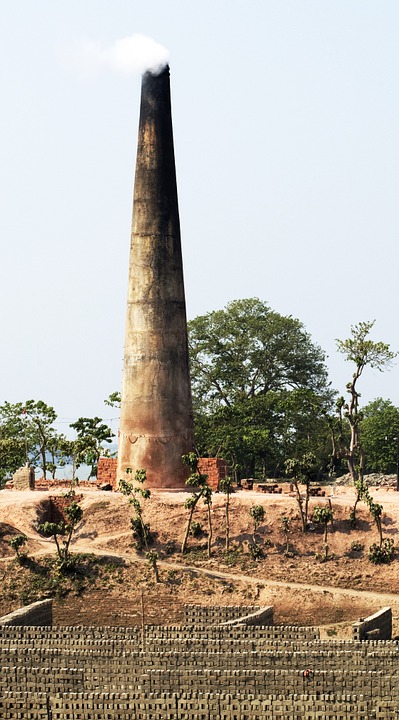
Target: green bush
column 16, row 543
column 196, row 529
column 356, row 546
column 141, row 533
column 256, row 551
column 381, row 554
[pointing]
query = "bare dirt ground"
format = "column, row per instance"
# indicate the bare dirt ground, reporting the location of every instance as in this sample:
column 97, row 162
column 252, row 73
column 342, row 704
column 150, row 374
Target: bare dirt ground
column 303, row 589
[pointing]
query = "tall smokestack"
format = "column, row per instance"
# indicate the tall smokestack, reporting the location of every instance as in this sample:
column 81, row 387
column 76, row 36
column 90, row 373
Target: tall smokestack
column 156, row 426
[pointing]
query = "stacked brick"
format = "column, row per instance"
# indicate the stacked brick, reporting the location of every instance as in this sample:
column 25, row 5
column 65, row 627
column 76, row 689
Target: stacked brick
column 201, row 672
column 215, row 615
column 134, row 706
column 106, row 471
column 214, row 468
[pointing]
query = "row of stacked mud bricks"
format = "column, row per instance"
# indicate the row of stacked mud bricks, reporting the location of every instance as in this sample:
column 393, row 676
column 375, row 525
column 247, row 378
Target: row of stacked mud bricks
column 201, row 672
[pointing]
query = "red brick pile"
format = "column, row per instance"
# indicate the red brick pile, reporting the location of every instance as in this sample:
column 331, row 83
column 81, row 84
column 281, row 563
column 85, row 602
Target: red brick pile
column 215, row 468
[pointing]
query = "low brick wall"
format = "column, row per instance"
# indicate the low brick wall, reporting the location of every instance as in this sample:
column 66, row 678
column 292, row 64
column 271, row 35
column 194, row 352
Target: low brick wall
column 38, row 613
column 263, row 616
column 374, row 627
column 57, row 484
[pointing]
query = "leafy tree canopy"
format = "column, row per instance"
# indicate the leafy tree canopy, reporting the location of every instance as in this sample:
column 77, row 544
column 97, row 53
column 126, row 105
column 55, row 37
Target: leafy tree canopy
column 379, row 429
column 91, row 433
column 26, row 433
column 246, row 350
column 260, row 386
column 362, row 351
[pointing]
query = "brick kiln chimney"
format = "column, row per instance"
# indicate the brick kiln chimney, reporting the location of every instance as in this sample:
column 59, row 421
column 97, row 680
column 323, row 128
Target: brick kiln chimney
column 156, row 426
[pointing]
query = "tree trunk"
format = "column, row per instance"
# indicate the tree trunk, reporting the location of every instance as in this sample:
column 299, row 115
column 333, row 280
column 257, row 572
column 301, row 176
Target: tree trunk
column 299, row 500
column 227, row 523
column 184, row 543
column 155, row 566
column 44, row 461
column 325, row 542
column 306, row 505
column 210, row 530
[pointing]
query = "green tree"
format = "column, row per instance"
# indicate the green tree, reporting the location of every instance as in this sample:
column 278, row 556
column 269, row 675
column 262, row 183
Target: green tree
column 285, row 525
column 257, row 513
column 64, row 530
column 362, row 352
column 67, row 452
column 198, row 481
column 136, row 492
column 323, row 515
column 62, row 452
column 16, row 543
column 26, row 434
column 301, row 471
column 114, row 399
column 12, row 454
column 379, row 430
column 91, row 434
column 259, row 385
column 42, row 417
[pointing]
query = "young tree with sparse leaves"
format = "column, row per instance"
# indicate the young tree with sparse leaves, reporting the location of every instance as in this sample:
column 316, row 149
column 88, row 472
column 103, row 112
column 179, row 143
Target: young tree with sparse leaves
column 16, row 543
column 202, row 490
column 301, row 471
column 362, row 352
column 74, row 513
column 226, row 487
column 285, row 524
column 323, row 515
column 135, row 492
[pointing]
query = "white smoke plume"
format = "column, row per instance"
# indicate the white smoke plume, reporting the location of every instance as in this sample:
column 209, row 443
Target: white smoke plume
column 131, row 56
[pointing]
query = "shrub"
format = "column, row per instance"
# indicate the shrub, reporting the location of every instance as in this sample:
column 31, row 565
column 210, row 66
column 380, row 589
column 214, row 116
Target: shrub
column 356, row 546
column 256, row 551
column 16, row 543
column 196, row 529
column 141, row 533
column 383, row 553
column 257, row 513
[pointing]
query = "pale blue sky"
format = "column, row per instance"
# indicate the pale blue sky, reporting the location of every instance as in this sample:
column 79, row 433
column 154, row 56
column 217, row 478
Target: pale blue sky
column 286, row 117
